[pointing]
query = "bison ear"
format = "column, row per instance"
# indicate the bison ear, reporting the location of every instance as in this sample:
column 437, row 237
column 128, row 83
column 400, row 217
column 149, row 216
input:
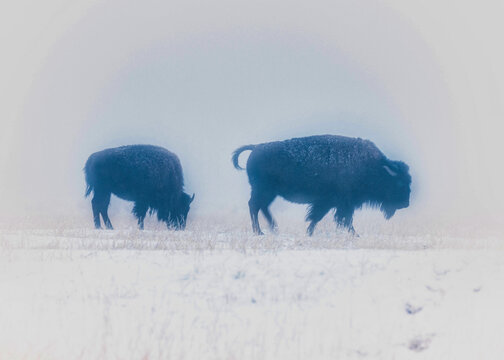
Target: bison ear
column 192, row 198
column 390, row 171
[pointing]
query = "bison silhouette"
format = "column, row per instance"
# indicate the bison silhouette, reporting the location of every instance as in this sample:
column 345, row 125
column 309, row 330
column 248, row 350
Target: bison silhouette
column 148, row 175
column 326, row 172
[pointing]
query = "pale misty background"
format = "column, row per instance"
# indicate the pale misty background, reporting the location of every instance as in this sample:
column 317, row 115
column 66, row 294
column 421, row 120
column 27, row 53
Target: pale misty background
column 423, row 80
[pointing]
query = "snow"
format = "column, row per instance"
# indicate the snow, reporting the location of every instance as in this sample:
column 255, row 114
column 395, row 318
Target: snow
column 222, row 293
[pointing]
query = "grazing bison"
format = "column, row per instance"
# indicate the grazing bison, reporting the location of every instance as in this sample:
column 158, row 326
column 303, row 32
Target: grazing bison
column 325, row 172
column 151, row 176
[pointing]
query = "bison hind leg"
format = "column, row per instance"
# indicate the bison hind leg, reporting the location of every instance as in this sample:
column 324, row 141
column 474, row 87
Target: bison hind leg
column 100, row 203
column 140, row 211
column 104, row 212
column 260, row 200
column 316, row 212
column 96, row 212
column 254, row 212
column 267, row 200
column 271, row 221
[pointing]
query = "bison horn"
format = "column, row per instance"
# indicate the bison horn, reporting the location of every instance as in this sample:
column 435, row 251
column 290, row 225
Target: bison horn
column 192, row 198
column 391, row 173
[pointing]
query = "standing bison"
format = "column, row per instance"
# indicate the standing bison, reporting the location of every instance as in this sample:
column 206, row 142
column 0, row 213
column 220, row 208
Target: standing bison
column 325, row 172
column 151, row 176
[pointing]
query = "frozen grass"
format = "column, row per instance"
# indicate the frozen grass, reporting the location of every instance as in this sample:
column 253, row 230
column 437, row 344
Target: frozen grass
column 402, row 290
column 233, row 232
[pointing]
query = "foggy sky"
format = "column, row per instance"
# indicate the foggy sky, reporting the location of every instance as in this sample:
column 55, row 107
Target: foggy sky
column 424, row 82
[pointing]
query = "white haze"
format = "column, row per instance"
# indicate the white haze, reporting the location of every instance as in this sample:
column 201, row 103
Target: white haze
column 423, row 81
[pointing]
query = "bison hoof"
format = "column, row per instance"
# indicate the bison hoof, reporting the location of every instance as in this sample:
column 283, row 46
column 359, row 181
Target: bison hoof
column 353, row 233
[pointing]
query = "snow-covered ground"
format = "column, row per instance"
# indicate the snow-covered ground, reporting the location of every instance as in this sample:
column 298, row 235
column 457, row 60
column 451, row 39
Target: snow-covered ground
column 217, row 292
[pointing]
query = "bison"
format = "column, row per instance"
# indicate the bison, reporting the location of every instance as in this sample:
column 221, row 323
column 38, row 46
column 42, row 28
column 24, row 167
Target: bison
column 148, row 175
column 326, row 172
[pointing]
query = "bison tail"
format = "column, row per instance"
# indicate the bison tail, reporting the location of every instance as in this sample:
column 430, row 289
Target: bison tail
column 236, row 155
column 88, row 177
column 89, row 188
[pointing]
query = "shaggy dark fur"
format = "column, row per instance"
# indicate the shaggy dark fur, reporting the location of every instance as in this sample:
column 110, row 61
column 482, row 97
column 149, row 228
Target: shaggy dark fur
column 151, row 176
column 325, row 172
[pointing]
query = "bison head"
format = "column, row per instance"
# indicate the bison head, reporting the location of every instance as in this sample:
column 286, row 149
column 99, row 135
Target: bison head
column 396, row 187
column 176, row 217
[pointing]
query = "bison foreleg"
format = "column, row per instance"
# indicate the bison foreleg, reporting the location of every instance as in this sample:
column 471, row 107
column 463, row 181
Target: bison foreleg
column 344, row 218
column 315, row 213
column 140, row 211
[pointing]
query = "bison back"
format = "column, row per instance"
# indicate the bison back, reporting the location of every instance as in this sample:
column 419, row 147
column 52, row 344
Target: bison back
column 303, row 168
column 136, row 172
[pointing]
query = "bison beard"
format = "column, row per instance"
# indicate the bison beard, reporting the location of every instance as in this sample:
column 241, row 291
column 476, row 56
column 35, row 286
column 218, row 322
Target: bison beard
column 150, row 176
column 325, row 172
